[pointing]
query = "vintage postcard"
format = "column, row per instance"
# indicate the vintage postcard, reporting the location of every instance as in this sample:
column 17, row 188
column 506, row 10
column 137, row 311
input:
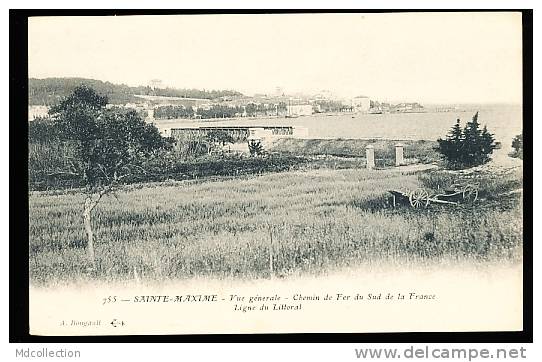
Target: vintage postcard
column 275, row 173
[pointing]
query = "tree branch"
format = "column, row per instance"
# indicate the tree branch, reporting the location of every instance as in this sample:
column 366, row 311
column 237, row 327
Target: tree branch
column 63, row 173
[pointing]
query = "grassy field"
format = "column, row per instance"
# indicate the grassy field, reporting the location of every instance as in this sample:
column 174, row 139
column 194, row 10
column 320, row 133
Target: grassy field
column 315, row 220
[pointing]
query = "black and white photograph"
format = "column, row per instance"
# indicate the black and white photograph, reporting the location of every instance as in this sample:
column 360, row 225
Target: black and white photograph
column 270, row 173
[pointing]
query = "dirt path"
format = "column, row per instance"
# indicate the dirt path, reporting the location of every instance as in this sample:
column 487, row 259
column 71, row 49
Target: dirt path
column 415, row 168
column 500, row 162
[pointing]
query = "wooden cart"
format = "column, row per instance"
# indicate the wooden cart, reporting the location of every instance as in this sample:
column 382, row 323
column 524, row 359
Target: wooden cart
column 456, row 194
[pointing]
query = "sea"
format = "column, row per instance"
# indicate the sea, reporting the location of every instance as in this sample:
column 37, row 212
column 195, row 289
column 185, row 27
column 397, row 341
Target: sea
column 505, row 121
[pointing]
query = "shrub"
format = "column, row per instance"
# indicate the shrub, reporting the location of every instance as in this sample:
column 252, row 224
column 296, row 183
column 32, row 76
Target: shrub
column 517, row 145
column 255, row 147
column 42, row 130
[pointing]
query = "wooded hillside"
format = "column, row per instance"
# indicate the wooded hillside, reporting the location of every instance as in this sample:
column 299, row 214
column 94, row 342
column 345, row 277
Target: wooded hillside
column 49, row 91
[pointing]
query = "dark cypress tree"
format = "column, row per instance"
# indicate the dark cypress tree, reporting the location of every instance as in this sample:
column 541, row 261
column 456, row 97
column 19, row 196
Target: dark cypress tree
column 487, row 145
column 472, row 134
column 456, row 141
column 452, row 146
column 468, row 147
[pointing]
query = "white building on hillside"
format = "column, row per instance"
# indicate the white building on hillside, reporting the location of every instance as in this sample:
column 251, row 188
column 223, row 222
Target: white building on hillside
column 300, row 109
column 156, row 83
column 361, row 104
column 37, row 111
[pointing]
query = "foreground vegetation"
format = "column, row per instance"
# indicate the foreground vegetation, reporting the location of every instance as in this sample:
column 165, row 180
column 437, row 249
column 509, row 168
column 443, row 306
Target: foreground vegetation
column 314, row 220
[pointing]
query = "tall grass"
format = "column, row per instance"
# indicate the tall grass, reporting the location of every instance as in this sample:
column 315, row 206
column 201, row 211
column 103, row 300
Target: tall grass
column 317, row 220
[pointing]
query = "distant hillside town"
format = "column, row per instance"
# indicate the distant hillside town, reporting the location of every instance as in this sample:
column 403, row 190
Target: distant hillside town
column 158, row 102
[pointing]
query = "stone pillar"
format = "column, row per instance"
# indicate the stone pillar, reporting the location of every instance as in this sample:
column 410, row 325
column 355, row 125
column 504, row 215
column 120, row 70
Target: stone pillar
column 370, row 155
column 399, row 160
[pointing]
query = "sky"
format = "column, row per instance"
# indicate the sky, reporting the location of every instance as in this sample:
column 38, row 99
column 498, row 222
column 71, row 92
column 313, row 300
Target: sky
column 424, row 57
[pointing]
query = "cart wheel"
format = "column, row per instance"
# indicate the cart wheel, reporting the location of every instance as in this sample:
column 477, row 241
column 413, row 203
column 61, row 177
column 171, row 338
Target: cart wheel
column 419, row 198
column 470, row 194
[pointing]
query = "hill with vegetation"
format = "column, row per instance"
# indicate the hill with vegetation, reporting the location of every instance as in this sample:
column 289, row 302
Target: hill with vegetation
column 49, row 91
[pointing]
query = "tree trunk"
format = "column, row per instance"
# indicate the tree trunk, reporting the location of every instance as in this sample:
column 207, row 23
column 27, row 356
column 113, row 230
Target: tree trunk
column 271, row 273
column 87, row 213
